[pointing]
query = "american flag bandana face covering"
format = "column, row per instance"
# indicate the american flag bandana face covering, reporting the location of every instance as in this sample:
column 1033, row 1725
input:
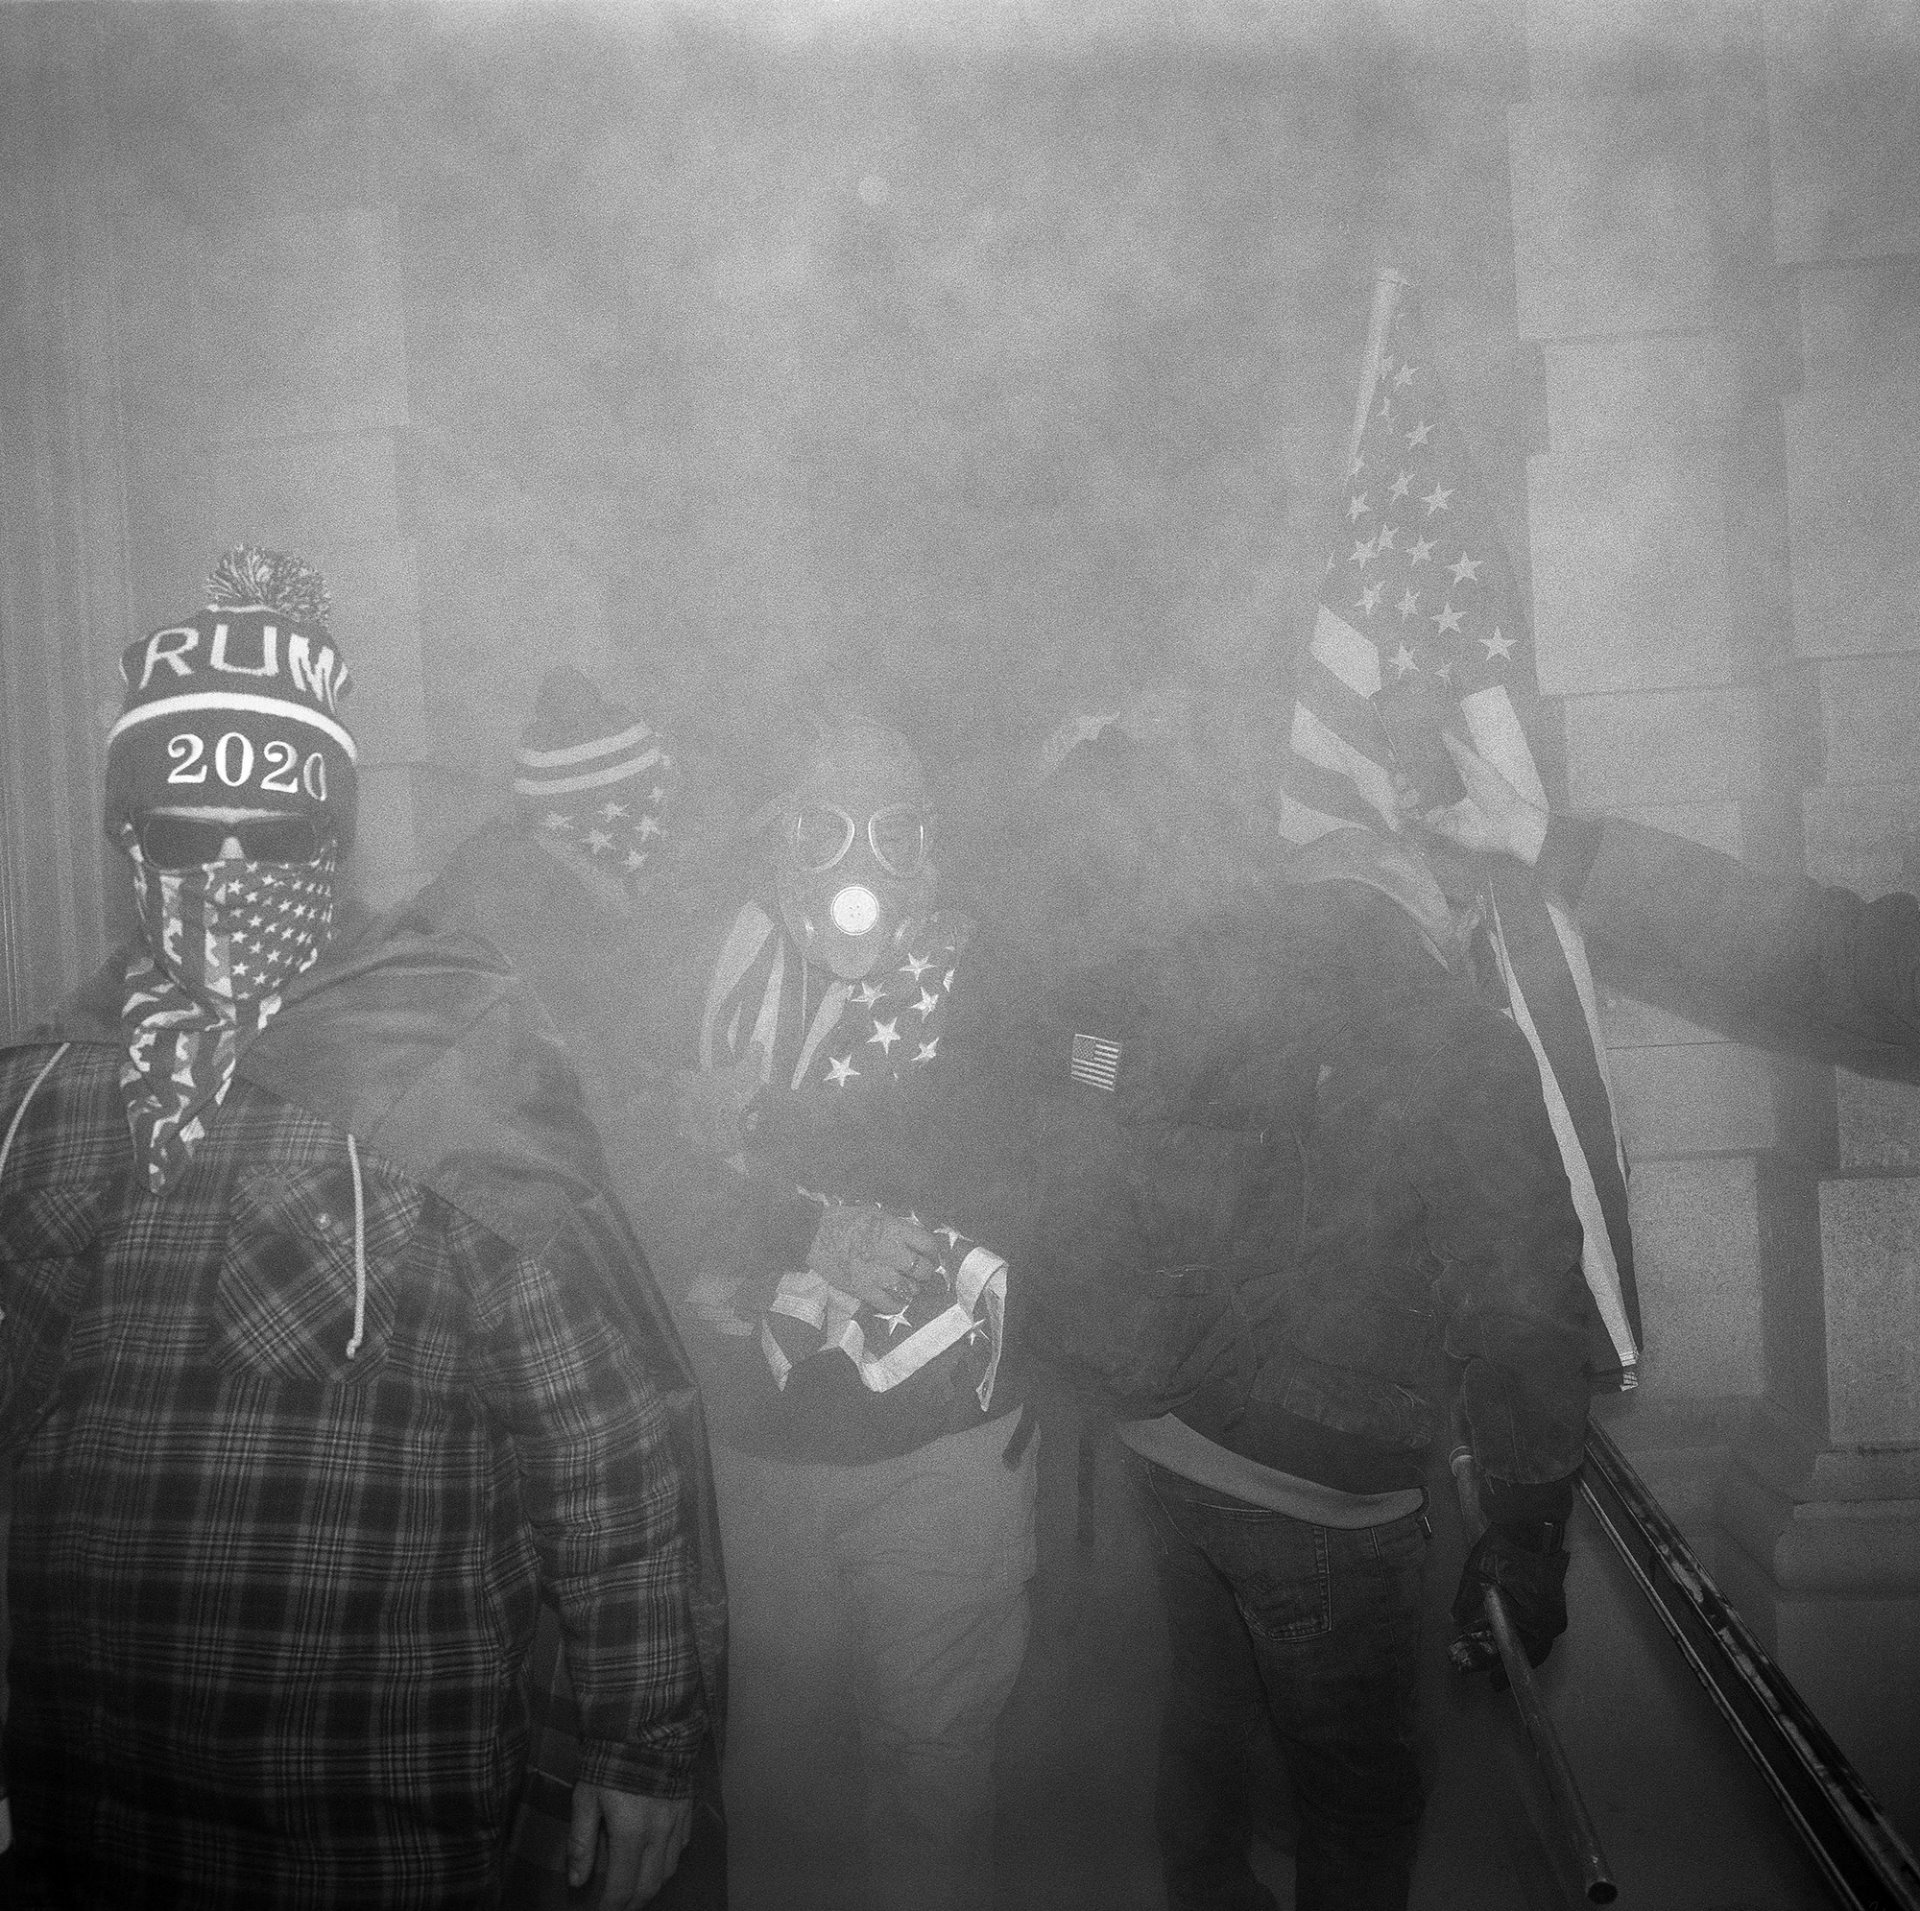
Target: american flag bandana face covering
column 222, row 941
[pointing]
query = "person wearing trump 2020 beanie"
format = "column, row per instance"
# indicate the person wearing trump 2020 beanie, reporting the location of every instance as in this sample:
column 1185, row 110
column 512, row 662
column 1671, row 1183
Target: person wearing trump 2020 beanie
column 322, row 1359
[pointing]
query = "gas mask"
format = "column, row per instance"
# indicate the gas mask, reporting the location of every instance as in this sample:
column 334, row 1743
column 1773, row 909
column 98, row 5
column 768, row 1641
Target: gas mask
column 856, row 872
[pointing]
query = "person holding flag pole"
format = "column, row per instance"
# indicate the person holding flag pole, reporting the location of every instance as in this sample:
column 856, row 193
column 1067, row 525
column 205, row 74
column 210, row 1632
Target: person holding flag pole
column 1301, row 1181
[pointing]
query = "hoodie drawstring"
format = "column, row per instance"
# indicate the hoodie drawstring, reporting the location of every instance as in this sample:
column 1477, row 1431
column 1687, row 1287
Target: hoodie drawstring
column 359, row 1252
column 359, row 1199
column 19, row 1114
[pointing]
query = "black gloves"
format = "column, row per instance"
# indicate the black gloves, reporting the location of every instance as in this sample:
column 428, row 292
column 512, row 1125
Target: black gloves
column 1527, row 1561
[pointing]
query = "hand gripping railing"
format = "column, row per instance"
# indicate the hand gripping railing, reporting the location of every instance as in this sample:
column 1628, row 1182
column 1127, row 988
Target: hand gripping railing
column 1570, row 1814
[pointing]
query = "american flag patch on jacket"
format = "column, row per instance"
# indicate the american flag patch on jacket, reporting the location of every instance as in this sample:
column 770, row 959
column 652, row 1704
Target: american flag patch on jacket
column 1095, row 1061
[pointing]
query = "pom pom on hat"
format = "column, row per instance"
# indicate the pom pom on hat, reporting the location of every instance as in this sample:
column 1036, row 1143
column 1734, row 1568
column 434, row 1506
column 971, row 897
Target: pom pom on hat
column 239, row 705
column 269, row 580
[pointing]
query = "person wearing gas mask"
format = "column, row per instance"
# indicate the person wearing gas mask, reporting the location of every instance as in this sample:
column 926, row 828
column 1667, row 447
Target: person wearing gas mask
column 319, row 1359
column 876, row 1479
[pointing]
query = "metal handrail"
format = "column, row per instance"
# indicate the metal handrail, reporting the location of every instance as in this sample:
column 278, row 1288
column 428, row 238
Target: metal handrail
column 1849, row 1837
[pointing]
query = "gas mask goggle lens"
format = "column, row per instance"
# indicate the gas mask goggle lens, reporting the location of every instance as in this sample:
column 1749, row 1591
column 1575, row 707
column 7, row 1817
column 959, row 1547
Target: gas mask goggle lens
column 819, row 835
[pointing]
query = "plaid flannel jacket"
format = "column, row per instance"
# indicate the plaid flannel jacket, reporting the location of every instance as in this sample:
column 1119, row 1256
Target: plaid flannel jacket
column 272, row 1605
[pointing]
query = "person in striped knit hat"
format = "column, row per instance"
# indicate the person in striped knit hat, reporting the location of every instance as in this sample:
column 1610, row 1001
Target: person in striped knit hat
column 594, row 784
column 571, row 885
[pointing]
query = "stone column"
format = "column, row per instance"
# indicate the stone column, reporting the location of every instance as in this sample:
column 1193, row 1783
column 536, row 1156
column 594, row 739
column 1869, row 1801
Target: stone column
column 1825, row 1505
column 263, row 352
column 1634, row 234
column 62, row 532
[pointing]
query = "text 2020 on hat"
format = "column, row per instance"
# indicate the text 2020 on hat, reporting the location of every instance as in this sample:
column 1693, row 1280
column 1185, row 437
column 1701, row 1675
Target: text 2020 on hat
column 239, row 706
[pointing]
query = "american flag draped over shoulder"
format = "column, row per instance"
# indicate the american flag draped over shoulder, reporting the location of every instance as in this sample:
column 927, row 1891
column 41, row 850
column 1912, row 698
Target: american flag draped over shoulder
column 815, row 1031
column 1419, row 631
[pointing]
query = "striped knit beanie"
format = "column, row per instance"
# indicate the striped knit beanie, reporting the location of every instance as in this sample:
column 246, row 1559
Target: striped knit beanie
column 239, row 705
column 594, row 776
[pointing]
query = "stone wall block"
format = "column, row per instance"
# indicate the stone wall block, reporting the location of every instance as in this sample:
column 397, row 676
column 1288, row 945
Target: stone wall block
column 1840, row 114
column 1610, row 216
column 1859, row 324
column 376, row 617
column 1870, row 718
column 300, row 326
column 1864, row 836
column 1852, row 1546
column 156, row 318
column 1855, row 1659
column 173, row 535
column 1673, row 747
column 1629, row 581
column 1795, row 1329
column 1696, row 1230
column 1627, row 46
column 1853, row 496
column 1692, row 1098
column 1870, row 1256
column 309, row 495
column 1638, row 390
column 1628, row 1020
column 385, row 867
column 1879, row 1125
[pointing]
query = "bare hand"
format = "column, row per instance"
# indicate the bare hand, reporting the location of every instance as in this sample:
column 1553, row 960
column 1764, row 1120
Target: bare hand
column 710, row 1104
column 880, row 1259
column 1493, row 816
column 645, row 1837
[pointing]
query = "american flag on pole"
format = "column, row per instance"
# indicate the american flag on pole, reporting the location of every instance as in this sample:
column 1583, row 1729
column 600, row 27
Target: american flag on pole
column 1419, row 631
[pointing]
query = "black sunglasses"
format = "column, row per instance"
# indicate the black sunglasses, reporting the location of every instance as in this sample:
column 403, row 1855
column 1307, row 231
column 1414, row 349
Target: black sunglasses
column 190, row 842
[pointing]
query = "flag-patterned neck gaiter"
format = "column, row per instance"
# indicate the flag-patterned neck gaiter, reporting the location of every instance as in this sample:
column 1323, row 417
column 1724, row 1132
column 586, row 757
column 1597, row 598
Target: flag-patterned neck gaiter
column 222, row 941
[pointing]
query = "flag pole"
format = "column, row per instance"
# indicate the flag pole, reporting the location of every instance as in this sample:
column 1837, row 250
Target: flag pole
column 1575, row 1822
column 1387, row 282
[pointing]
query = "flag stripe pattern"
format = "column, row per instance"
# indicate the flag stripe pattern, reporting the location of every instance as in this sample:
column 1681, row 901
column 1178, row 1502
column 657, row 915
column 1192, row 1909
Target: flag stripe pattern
column 606, row 798
column 1095, row 1061
column 1420, row 632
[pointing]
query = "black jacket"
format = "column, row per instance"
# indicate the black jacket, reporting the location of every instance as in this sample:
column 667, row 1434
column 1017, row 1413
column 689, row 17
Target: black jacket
column 1322, row 1194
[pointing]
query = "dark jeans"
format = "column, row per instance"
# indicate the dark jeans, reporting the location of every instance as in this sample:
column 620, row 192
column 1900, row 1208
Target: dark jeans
column 1318, row 1629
